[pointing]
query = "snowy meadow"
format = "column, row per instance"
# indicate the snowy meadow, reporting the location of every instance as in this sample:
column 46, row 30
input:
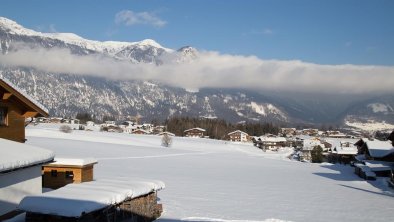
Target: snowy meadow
column 211, row 180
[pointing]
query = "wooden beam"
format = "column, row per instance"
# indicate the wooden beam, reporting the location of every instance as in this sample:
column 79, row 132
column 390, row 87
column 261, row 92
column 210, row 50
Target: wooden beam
column 30, row 114
column 6, row 95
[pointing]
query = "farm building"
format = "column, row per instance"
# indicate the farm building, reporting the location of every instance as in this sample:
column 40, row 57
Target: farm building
column 65, row 171
column 15, row 107
column 238, row 136
column 20, row 173
column 194, row 132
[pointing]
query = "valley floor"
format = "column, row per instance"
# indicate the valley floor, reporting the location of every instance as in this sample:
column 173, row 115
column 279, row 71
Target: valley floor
column 210, row 180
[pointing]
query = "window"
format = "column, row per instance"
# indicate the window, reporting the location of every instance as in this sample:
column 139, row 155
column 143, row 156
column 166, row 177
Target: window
column 69, row 175
column 53, row 173
column 3, row 116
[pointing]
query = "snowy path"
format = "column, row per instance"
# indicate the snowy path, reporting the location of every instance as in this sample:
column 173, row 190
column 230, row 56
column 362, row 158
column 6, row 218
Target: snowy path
column 208, row 180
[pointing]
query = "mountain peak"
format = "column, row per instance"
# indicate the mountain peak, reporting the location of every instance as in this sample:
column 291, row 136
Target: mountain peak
column 13, row 27
column 150, row 42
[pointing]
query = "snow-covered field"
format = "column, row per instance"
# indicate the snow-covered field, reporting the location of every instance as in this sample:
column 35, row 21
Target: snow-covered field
column 210, row 180
column 370, row 126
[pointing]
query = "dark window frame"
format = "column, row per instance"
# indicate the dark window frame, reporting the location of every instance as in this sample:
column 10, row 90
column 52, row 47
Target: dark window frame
column 3, row 116
column 53, row 173
column 69, row 175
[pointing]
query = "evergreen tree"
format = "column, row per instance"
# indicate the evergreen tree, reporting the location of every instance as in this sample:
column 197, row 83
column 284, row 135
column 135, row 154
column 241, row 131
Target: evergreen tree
column 317, row 154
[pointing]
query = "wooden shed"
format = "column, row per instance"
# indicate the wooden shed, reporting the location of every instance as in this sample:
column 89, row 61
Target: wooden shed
column 65, row 171
column 15, row 106
column 105, row 199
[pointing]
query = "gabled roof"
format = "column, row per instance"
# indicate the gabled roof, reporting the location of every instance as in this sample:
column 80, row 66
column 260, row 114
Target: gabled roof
column 166, row 133
column 379, row 148
column 198, row 129
column 351, row 150
column 237, row 131
column 141, row 130
column 34, row 108
column 16, row 155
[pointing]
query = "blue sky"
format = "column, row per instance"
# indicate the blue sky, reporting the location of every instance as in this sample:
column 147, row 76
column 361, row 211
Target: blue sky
column 319, row 31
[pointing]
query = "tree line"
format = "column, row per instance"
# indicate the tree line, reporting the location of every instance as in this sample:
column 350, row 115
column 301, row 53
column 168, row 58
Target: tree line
column 218, row 128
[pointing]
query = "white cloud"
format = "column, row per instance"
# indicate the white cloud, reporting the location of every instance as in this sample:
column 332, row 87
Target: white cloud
column 212, row 69
column 129, row 18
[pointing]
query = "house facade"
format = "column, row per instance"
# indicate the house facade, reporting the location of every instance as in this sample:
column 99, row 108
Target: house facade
column 20, row 173
column 238, row 136
column 272, row 143
column 15, row 107
column 194, row 132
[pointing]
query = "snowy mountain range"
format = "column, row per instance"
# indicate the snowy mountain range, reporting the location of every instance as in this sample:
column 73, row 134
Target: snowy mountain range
column 65, row 94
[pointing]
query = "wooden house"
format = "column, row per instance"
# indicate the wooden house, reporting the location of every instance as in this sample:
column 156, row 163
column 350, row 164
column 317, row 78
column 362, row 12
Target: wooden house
column 288, row 131
column 310, row 132
column 15, row 107
column 377, row 150
column 344, row 152
column 20, row 174
column 308, row 146
column 65, row 171
column 271, row 143
column 238, row 136
column 194, row 132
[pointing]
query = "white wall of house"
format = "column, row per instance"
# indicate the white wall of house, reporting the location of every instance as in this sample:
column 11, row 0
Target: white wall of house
column 15, row 185
column 244, row 137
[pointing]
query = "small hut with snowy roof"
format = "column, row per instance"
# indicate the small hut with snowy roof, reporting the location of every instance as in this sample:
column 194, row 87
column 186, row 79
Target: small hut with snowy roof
column 65, row 171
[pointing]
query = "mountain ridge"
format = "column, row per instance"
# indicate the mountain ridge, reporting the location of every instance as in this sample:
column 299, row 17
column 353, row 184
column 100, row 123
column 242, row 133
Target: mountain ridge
column 66, row 94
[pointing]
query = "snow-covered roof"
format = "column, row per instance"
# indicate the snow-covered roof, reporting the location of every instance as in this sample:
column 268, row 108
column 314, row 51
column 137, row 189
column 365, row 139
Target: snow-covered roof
column 168, row 133
column 73, row 162
column 24, row 94
column 351, row 150
column 379, row 148
column 141, row 130
column 309, row 144
column 16, row 155
column 237, row 131
column 272, row 139
column 379, row 165
column 73, row 200
column 199, row 129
